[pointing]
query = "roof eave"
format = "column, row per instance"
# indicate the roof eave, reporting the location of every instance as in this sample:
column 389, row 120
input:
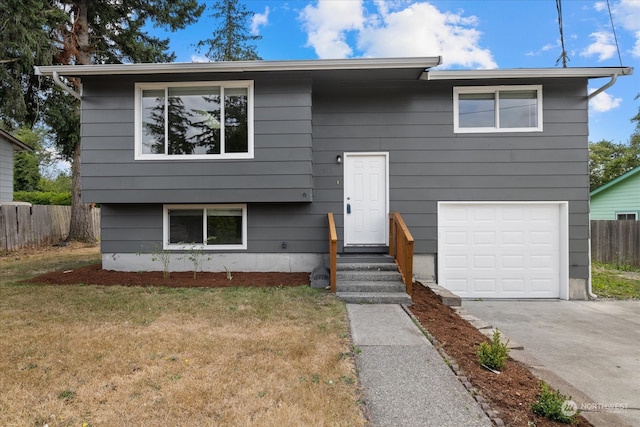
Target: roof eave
column 615, row 181
column 14, row 141
column 516, row 73
column 239, row 66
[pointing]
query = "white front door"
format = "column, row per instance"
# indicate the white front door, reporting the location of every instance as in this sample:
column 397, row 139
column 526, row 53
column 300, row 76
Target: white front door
column 365, row 199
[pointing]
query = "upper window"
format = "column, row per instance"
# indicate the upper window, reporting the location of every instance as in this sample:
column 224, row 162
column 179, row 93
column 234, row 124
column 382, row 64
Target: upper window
column 497, row 109
column 198, row 120
column 205, row 227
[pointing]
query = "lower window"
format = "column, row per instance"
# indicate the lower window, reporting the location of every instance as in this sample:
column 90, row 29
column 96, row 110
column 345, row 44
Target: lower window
column 214, row 227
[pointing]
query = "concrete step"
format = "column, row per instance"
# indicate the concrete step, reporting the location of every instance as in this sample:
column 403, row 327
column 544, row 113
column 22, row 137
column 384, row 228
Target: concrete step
column 375, row 287
column 372, row 266
column 364, row 259
column 375, row 297
column 368, row 276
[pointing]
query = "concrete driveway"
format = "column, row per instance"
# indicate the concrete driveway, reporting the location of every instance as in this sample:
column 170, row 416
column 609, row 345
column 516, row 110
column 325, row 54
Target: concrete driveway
column 588, row 349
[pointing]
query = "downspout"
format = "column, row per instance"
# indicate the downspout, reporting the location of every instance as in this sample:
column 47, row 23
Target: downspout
column 63, row 86
column 590, row 293
column 610, row 83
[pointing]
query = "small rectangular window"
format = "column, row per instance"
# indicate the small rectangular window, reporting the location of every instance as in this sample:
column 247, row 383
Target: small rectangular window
column 196, row 120
column 214, row 227
column 497, row 109
column 627, row 216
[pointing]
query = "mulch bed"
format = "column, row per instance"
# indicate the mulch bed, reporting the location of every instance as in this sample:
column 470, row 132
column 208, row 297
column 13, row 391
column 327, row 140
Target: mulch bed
column 95, row 275
column 511, row 392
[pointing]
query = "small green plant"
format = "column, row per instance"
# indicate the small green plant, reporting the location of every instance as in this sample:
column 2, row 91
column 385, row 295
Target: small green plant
column 67, row 395
column 554, row 405
column 164, row 257
column 493, row 354
column 229, row 276
column 197, row 256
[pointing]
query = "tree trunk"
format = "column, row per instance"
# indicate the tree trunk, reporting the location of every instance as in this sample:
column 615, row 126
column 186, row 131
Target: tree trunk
column 81, row 227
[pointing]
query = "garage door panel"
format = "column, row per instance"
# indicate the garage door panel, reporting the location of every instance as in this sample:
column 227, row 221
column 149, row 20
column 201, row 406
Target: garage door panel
column 513, row 285
column 500, row 250
column 456, row 238
column 513, row 262
column 484, row 261
column 512, row 237
column 485, row 286
column 456, row 261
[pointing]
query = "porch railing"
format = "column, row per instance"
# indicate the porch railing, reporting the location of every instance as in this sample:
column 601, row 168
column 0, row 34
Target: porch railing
column 333, row 251
column 401, row 248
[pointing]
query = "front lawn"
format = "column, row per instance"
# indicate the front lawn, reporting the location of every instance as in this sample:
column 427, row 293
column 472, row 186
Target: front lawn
column 110, row 355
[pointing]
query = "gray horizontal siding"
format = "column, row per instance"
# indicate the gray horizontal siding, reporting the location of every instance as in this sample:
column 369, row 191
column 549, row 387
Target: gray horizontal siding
column 412, row 120
column 429, row 163
column 129, row 228
column 280, row 171
column 6, row 171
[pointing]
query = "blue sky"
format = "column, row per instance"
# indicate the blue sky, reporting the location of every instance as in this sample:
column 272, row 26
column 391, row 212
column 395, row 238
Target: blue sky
column 467, row 34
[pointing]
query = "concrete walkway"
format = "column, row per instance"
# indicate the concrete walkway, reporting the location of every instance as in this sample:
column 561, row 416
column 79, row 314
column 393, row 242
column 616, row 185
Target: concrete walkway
column 405, row 381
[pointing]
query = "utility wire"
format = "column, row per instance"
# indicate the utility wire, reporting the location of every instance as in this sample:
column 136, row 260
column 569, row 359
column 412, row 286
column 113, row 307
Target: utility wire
column 613, row 28
column 563, row 56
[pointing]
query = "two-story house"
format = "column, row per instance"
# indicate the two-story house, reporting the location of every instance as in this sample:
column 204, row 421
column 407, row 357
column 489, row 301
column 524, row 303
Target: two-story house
column 244, row 160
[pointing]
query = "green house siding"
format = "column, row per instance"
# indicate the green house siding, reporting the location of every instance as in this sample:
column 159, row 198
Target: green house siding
column 621, row 195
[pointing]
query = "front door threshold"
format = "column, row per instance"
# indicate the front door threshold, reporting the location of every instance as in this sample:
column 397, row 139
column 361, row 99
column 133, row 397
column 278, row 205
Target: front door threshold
column 374, row 249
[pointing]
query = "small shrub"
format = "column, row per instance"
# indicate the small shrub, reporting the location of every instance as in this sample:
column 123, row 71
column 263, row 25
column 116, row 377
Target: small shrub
column 197, row 257
column 553, row 405
column 493, row 354
column 164, row 257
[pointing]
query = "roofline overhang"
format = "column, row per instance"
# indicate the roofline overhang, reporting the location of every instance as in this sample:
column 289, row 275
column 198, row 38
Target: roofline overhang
column 14, row 141
column 624, row 176
column 518, row 73
column 239, row 66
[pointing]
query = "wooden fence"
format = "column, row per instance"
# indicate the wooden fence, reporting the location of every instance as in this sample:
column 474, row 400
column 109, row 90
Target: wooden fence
column 27, row 226
column 616, row 242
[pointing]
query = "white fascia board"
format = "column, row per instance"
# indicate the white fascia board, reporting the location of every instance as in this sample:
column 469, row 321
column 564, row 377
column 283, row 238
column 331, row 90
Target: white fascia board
column 239, row 66
column 516, row 73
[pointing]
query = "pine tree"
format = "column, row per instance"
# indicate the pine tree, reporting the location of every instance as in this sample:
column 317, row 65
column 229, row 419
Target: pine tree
column 77, row 32
column 231, row 40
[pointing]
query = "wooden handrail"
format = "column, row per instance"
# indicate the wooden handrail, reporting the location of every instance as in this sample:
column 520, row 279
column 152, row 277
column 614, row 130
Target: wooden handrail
column 333, row 251
column 401, row 248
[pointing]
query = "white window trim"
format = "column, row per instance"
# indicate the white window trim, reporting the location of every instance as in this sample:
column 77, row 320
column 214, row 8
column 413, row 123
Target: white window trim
column 495, row 89
column 139, row 87
column 634, row 213
column 189, row 246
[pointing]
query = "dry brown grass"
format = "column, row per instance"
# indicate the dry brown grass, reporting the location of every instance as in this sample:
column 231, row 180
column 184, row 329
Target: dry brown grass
column 103, row 356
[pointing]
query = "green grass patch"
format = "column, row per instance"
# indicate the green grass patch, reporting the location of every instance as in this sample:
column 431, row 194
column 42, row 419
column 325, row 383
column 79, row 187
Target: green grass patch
column 617, row 282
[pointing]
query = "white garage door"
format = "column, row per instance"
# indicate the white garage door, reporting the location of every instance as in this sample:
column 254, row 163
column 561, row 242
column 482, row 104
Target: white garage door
column 502, row 250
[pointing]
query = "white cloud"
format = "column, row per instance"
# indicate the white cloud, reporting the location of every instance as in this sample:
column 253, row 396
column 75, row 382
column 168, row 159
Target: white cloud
column 603, row 46
column 396, row 29
column 603, row 102
column 327, row 25
column 627, row 12
column 259, row 20
column 600, row 6
column 199, row 58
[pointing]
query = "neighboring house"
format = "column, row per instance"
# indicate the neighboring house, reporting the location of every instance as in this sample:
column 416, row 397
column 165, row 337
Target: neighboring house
column 244, row 160
column 8, row 145
column 618, row 199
